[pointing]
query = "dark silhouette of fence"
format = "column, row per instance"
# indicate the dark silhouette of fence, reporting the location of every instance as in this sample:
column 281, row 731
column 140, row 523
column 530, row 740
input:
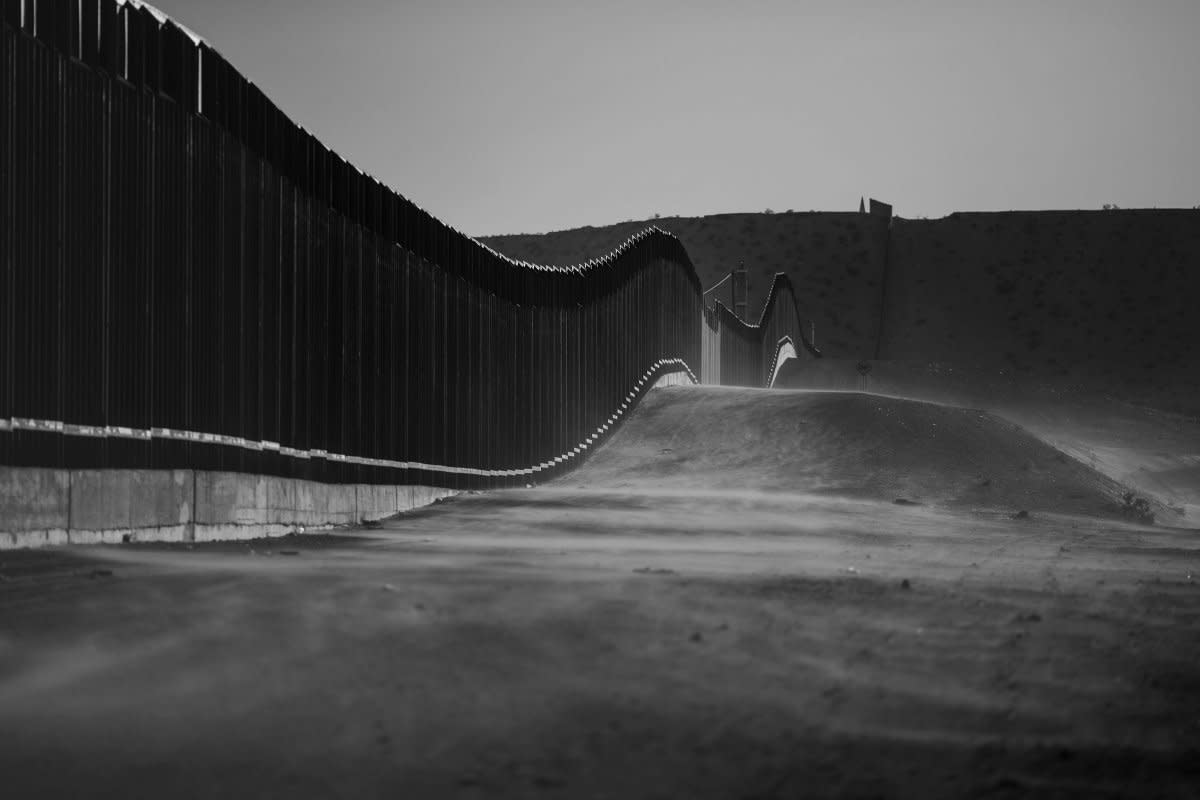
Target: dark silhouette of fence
column 741, row 353
column 188, row 279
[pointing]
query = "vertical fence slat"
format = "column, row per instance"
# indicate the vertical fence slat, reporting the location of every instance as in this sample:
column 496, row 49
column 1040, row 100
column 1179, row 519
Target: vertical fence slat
column 8, row 218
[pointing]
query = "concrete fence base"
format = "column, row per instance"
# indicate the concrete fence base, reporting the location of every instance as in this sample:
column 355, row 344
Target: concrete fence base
column 40, row 507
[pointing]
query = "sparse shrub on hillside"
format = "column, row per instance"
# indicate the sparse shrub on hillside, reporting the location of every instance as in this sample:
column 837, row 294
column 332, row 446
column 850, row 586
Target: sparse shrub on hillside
column 1137, row 508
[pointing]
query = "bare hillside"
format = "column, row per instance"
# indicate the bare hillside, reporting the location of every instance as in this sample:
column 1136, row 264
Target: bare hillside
column 1104, row 299
column 1106, row 296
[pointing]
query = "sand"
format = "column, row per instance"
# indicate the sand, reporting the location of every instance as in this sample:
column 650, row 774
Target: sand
column 685, row 632
column 1152, row 447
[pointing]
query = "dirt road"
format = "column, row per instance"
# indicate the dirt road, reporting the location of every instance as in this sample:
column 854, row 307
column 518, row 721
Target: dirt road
column 659, row 640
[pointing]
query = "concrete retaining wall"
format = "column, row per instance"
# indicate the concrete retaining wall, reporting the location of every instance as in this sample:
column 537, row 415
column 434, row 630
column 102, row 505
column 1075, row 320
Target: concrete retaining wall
column 40, row 507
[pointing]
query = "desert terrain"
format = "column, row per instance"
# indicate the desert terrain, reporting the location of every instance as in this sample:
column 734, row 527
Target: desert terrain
column 744, row 593
column 1093, row 301
column 1149, row 449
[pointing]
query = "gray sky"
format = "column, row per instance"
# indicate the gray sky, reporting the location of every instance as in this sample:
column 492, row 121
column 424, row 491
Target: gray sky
column 522, row 116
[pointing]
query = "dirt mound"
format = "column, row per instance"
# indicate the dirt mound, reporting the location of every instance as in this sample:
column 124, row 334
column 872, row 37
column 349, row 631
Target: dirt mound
column 1154, row 449
column 853, row 445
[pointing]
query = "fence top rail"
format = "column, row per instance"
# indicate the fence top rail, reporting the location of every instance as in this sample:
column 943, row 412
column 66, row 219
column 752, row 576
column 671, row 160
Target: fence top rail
column 780, row 283
column 163, row 17
column 650, row 232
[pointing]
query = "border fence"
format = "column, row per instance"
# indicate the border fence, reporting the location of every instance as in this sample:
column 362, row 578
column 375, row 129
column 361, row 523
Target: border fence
column 189, row 279
column 739, row 353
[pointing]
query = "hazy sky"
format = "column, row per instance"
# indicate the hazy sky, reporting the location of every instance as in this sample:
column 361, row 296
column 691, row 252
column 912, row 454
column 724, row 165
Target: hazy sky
column 520, row 116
